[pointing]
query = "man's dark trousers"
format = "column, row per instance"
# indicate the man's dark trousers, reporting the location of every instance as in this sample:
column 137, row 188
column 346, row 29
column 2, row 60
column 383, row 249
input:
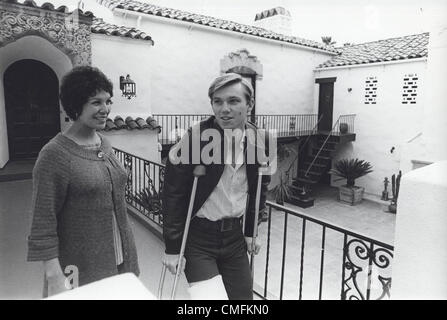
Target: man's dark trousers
column 219, row 247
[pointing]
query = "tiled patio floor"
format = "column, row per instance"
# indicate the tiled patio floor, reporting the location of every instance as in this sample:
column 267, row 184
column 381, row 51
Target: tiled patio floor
column 22, row 280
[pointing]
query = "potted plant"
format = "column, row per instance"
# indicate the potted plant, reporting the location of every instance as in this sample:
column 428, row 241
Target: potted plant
column 344, row 128
column 351, row 169
column 395, row 186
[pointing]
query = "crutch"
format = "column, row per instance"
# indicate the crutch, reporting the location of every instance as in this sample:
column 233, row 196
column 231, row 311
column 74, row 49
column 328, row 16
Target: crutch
column 262, row 167
column 198, row 172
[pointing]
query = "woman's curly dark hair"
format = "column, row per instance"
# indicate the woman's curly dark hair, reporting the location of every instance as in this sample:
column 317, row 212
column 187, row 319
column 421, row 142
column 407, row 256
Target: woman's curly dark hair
column 80, row 84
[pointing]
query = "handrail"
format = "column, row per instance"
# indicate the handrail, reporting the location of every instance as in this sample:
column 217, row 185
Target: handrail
column 351, row 238
column 139, row 158
column 173, row 124
column 314, row 129
column 362, row 255
column 322, row 222
column 321, row 148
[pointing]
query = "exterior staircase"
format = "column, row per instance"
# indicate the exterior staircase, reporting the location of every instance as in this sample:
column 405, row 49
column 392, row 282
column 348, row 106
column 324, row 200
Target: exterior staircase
column 17, row 170
column 315, row 165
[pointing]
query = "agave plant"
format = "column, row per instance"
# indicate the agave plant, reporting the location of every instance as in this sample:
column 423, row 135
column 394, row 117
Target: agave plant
column 351, row 169
column 149, row 199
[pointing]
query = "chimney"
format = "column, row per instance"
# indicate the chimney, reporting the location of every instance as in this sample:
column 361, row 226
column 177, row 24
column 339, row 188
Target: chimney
column 277, row 20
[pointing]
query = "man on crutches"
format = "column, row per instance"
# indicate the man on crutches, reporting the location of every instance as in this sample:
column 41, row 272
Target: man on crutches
column 217, row 265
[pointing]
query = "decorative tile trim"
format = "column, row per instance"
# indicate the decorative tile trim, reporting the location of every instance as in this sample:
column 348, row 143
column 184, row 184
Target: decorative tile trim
column 241, row 62
column 70, row 32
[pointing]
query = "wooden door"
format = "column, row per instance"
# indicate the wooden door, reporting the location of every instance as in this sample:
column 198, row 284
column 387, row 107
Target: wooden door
column 325, row 103
column 32, row 107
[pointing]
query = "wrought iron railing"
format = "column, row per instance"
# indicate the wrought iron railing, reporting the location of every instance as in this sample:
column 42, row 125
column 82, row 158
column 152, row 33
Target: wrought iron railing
column 334, row 128
column 174, row 125
column 144, row 185
column 346, row 120
column 288, row 125
column 319, row 260
column 292, row 125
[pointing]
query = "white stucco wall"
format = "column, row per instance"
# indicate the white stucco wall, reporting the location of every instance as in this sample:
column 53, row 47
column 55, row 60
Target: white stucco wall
column 115, row 56
column 29, row 47
column 430, row 146
column 144, row 142
column 187, row 58
column 118, row 56
column 420, row 245
column 380, row 126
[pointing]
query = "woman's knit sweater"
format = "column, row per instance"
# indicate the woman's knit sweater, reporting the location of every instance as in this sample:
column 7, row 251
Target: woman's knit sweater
column 75, row 193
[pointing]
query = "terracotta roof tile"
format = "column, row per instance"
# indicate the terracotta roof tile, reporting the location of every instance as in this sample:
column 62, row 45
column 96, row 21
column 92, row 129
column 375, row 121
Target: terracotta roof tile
column 102, row 27
column 150, row 9
column 132, row 124
column 49, row 7
column 407, row 47
column 98, row 25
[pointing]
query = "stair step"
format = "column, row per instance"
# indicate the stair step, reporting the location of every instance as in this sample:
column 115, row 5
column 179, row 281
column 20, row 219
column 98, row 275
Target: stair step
column 302, row 203
column 297, row 191
column 322, row 152
column 317, row 148
column 322, row 157
column 302, row 172
column 16, row 176
column 314, row 165
column 324, row 136
column 306, row 180
column 332, row 145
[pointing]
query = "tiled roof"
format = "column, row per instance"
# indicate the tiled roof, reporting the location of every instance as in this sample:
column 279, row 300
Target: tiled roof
column 48, row 6
column 408, row 47
column 131, row 124
column 150, row 9
column 102, row 27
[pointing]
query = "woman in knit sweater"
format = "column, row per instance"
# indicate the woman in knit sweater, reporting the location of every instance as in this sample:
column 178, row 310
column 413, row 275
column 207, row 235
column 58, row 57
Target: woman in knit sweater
column 80, row 227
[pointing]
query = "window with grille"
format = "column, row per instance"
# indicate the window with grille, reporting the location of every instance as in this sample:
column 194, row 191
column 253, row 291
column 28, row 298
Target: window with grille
column 370, row 90
column 410, row 88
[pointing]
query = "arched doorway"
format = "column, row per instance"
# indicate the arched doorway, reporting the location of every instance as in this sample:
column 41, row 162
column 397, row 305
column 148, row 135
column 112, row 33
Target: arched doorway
column 249, row 75
column 32, row 107
column 247, row 66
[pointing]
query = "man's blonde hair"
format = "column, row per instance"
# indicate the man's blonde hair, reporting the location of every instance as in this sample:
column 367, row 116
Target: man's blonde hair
column 229, row 79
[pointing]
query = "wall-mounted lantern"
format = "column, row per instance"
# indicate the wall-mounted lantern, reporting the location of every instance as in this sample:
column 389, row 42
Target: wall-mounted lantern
column 128, row 87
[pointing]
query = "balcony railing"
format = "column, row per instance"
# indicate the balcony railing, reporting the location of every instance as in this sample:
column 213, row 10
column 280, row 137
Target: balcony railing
column 144, row 185
column 301, row 257
column 345, row 119
column 288, row 125
column 319, row 260
column 174, row 125
column 292, row 125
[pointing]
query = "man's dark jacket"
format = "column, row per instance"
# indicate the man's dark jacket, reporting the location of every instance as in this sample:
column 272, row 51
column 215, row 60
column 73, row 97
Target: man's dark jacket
column 178, row 183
